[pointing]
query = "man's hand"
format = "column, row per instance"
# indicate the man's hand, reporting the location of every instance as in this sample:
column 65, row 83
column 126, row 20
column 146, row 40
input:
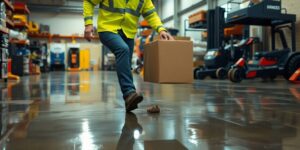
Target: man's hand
column 165, row 36
column 88, row 32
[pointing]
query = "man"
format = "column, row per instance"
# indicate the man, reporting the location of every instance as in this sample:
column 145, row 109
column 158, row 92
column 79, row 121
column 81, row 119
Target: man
column 117, row 26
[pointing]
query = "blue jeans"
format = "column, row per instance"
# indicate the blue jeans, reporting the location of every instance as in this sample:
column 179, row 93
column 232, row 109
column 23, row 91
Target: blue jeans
column 122, row 48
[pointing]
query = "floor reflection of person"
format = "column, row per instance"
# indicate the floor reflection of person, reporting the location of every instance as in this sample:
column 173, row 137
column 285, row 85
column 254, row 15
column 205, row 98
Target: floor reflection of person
column 129, row 132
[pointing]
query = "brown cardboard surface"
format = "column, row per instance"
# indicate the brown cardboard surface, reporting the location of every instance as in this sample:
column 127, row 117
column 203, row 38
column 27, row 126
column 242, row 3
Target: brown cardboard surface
column 184, row 38
column 169, row 62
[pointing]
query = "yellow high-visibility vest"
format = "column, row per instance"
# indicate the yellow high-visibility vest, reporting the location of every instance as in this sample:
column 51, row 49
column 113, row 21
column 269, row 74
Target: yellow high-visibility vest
column 123, row 15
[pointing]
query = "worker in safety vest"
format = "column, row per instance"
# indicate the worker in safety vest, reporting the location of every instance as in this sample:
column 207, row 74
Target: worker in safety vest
column 117, row 26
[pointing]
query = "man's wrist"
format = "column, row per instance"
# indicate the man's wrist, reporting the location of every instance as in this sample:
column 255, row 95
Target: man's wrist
column 89, row 25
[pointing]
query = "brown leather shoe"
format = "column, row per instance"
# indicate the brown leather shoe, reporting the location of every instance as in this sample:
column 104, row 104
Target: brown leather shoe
column 132, row 101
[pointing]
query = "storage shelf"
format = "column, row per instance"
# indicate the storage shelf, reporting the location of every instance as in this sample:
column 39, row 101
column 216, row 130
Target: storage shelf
column 71, row 37
column 198, row 25
column 20, row 42
column 4, row 30
column 9, row 5
column 10, row 23
column 58, row 36
column 35, row 35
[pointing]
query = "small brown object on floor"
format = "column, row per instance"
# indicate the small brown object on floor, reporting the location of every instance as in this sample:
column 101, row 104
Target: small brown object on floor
column 153, row 109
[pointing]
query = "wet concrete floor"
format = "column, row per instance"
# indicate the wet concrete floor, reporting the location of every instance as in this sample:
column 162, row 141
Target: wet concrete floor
column 85, row 111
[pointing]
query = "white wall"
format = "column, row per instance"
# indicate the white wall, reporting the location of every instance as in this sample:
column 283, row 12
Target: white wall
column 185, row 4
column 61, row 23
column 167, row 8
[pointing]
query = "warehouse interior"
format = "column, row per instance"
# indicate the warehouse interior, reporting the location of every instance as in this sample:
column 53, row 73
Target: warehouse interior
column 229, row 80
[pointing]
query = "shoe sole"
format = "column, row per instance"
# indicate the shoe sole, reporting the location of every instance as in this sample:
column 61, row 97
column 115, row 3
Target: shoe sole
column 134, row 104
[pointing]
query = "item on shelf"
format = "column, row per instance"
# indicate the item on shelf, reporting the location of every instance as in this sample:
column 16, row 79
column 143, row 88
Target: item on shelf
column 21, row 8
column 44, row 28
column 236, row 30
column 4, row 70
column 73, row 59
column 198, row 17
column 17, row 65
column 33, row 27
column 57, row 56
column 40, row 54
column 2, row 11
column 20, row 19
column 85, row 59
column 3, row 42
column 18, row 35
column 4, row 54
column 2, row 14
column 9, row 14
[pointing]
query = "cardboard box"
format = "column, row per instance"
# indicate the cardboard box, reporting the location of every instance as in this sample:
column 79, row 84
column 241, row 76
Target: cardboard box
column 168, row 62
column 184, row 38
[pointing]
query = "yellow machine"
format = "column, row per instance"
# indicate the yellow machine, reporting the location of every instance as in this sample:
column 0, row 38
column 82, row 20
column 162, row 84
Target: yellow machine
column 85, row 59
column 20, row 19
column 34, row 27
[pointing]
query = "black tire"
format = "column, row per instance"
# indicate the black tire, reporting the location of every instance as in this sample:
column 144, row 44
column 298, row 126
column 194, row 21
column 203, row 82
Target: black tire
column 195, row 73
column 221, row 73
column 235, row 75
column 291, row 67
column 200, row 75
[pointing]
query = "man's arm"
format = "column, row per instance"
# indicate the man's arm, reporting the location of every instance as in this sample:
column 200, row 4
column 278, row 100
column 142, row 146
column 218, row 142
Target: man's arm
column 150, row 14
column 88, row 13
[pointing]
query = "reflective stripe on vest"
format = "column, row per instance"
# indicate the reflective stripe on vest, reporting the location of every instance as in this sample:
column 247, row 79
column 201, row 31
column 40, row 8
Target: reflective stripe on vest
column 159, row 28
column 91, row 2
column 88, row 18
column 139, row 8
column 122, row 10
column 111, row 3
column 149, row 13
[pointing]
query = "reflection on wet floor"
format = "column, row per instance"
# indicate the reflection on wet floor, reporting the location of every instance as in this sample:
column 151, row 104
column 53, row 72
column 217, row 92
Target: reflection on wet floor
column 85, row 111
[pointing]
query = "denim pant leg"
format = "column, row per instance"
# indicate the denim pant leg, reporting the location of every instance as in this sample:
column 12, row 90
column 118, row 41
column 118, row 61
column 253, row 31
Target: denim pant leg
column 121, row 50
column 130, row 43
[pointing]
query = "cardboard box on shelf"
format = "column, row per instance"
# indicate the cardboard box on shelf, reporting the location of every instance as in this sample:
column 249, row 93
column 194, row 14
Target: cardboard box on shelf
column 168, row 62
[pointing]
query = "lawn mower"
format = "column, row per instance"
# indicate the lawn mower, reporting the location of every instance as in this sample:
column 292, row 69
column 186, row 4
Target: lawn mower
column 267, row 64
